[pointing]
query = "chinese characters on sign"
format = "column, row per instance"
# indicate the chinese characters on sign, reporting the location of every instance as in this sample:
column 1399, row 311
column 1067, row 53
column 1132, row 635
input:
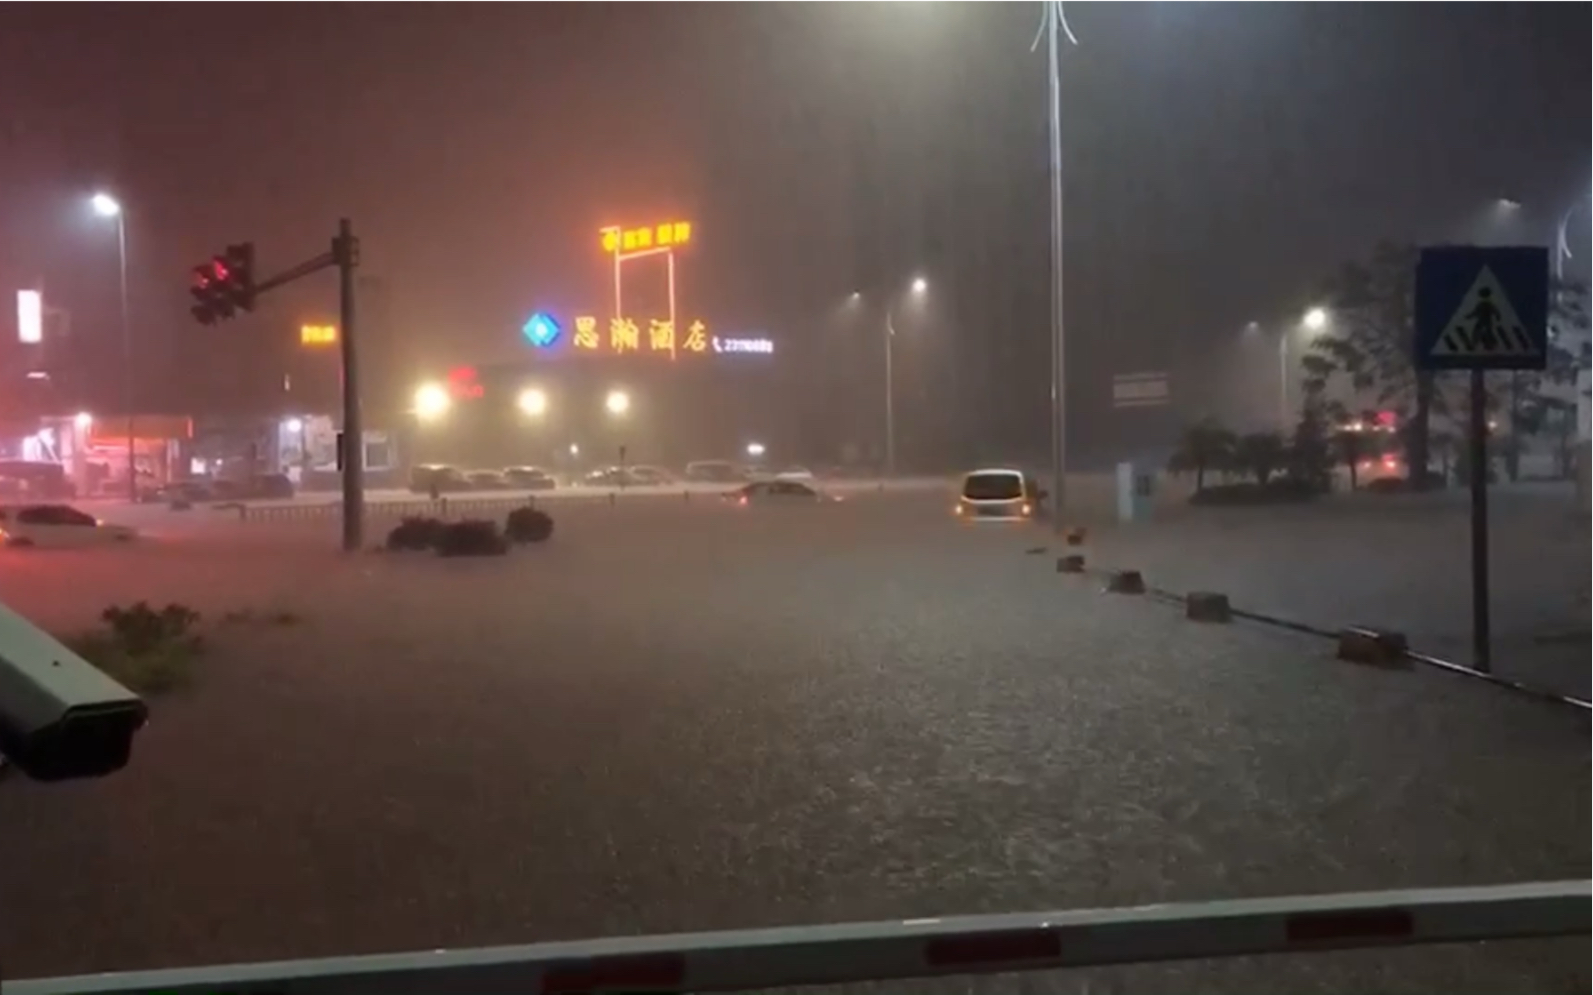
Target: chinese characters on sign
column 317, row 335
column 621, row 241
column 625, row 335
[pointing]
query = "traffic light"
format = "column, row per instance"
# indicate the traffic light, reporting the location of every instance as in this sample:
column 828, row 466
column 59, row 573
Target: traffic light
column 225, row 285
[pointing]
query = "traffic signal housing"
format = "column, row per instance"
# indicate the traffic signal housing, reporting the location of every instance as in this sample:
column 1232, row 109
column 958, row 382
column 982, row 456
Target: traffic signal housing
column 225, row 285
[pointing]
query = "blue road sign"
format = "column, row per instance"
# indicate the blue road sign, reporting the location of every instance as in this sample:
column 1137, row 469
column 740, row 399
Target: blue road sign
column 1482, row 309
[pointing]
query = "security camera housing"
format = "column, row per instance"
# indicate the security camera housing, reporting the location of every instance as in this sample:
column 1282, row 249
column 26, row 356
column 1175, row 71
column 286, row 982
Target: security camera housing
column 60, row 717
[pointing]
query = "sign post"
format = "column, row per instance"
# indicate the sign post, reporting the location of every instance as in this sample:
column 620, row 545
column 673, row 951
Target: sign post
column 1478, row 310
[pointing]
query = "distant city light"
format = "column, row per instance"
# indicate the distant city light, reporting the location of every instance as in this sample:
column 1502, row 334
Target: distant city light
column 755, row 449
column 462, row 384
column 30, row 316
column 575, row 449
column 533, row 402
column 431, row 401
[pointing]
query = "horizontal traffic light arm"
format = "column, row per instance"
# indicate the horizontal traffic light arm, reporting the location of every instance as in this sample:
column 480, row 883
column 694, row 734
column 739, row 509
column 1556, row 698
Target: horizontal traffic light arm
column 321, row 262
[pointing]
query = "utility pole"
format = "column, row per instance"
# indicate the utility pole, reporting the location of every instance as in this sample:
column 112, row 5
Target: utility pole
column 346, row 251
column 1052, row 25
column 890, row 395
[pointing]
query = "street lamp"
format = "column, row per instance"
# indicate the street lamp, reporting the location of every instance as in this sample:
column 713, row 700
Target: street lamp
column 431, row 402
column 618, row 402
column 84, row 421
column 533, row 402
column 919, row 285
column 1314, row 321
column 755, row 449
column 107, row 206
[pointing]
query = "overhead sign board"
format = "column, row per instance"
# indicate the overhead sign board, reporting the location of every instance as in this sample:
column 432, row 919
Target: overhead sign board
column 667, row 235
column 1140, row 390
column 317, row 335
column 30, row 316
column 1482, row 308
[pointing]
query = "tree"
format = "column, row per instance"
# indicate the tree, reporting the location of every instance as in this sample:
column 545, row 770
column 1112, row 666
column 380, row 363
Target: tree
column 1262, row 454
column 1537, row 398
column 1205, row 445
column 1310, row 451
column 1372, row 344
column 1351, row 441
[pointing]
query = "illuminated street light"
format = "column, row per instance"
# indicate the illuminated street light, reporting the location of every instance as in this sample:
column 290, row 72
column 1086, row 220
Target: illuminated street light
column 618, row 402
column 83, row 421
column 575, row 449
column 1316, row 319
column 431, row 401
column 533, row 402
column 294, row 425
column 106, row 206
column 920, row 285
column 755, row 449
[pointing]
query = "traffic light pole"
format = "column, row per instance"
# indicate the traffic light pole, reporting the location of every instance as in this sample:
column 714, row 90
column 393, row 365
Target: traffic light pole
column 227, row 284
column 345, row 249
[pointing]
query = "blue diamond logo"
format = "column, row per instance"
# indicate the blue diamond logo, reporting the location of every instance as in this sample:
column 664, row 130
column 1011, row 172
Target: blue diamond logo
column 541, row 330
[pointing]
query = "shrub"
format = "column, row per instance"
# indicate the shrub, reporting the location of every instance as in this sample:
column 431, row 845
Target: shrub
column 528, row 525
column 142, row 629
column 415, row 534
column 471, row 538
column 147, row 651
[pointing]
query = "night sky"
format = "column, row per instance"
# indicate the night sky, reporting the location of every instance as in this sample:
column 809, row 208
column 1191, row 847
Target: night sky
column 1221, row 160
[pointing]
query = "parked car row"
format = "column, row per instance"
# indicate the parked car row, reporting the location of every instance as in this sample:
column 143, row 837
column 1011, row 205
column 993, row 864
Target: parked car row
column 263, row 487
column 446, row 479
column 442, row 479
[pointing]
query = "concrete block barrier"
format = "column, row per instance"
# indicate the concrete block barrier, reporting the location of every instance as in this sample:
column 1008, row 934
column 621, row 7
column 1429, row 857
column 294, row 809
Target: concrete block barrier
column 1126, row 582
column 1373, row 647
column 1207, row 606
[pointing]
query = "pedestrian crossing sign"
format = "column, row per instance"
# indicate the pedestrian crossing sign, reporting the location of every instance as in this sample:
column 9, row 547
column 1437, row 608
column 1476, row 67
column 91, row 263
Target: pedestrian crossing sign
column 1480, row 308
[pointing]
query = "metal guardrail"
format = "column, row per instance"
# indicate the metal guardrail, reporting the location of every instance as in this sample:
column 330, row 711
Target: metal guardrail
column 917, row 948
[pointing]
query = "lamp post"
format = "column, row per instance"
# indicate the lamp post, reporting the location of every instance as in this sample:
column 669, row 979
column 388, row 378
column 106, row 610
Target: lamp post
column 1315, row 321
column 107, row 206
column 917, row 288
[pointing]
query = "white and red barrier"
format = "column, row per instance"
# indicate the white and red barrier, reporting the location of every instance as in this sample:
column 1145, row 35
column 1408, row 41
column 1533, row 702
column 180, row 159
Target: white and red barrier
column 917, row 948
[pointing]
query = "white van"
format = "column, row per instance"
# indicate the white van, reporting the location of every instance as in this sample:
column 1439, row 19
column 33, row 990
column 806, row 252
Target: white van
column 999, row 495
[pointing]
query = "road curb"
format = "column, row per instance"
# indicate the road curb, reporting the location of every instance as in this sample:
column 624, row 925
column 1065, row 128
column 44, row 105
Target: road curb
column 1405, row 654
